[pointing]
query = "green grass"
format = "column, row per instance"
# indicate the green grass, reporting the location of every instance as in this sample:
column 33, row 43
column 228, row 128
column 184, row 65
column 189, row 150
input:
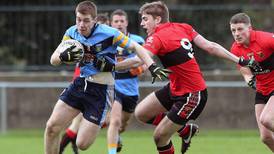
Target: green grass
column 141, row 142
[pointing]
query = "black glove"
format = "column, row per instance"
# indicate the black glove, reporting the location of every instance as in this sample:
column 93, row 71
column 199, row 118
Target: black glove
column 104, row 64
column 252, row 64
column 158, row 72
column 252, row 82
column 70, row 56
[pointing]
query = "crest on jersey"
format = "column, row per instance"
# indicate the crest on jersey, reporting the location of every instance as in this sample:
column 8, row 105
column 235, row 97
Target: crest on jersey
column 260, row 54
column 98, row 47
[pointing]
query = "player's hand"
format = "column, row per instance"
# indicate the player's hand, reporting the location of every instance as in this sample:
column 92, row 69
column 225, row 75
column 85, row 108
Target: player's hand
column 252, row 83
column 104, row 64
column 136, row 70
column 70, row 55
column 158, row 72
column 250, row 63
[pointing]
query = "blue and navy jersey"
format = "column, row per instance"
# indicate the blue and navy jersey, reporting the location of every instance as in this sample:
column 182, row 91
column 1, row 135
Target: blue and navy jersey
column 125, row 82
column 102, row 42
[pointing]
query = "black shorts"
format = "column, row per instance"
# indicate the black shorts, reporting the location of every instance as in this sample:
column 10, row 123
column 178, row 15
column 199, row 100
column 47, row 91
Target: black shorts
column 128, row 102
column 182, row 108
column 262, row 99
column 88, row 97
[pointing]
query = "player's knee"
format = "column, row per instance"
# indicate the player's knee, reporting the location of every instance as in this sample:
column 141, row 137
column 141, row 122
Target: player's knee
column 158, row 136
column 267, row 121
column 83, row 145
column 267, row 139
column 52, row 129
column 116, row 122
column 139, row 116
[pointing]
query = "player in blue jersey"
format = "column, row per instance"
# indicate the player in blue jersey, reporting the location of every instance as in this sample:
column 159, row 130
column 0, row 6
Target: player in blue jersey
column 126, row 86
column 70, row 134
column 88, row 93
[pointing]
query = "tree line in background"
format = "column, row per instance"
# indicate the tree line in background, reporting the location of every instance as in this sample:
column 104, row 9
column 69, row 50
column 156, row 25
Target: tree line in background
column 30, row 30
column 123, row 2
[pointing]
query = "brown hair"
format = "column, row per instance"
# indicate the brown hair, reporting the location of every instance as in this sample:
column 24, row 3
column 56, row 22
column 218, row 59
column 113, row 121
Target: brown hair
column 103, row 18
column 240, row 18
column 155, row 9
column 118, row 12
column 87, row 7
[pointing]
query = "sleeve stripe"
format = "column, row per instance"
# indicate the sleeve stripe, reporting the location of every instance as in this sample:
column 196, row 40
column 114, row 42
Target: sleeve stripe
column 125, row 42
column 116, row 39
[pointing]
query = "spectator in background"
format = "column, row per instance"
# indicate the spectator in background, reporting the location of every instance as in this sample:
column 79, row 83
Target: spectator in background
column 258, row 45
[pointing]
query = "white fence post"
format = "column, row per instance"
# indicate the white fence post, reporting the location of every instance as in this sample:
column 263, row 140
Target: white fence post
column 3, row 110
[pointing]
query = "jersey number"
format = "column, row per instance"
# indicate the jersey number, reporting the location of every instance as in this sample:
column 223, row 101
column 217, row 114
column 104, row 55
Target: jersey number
column 185, row 43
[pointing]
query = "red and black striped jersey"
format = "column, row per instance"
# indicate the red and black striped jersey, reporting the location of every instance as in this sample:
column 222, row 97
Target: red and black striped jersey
column 171, row 42
column 261, row 47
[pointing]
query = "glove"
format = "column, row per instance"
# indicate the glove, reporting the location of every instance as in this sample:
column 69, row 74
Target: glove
column 252, row 83
column 71, row 56
column 252, row 64
column 158, row 72
column 104, row 64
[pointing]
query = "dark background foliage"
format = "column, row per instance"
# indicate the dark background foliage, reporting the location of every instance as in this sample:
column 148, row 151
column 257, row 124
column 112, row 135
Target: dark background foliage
column 30, row 30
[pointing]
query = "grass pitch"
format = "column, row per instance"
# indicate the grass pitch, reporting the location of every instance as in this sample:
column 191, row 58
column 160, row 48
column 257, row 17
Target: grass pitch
column 141, row 142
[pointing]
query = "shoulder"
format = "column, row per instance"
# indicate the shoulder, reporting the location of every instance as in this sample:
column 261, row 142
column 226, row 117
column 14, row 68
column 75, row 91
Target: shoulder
column 106, row 29
column 136, row 38
column 185, row 25
column 189, row 30
column 262, row 35
column 263, row 39
column 71, row 30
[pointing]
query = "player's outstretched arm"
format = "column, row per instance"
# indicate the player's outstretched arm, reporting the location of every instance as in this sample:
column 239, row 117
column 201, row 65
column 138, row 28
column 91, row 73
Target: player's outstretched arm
column 129, row 63
column 142, row 53
column 216, row 49
column 144, row 57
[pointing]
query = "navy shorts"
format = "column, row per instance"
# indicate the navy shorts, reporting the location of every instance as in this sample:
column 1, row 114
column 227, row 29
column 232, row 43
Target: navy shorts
column 128, row 102
column 182, row 108
column 262, row 99
column 88, row 97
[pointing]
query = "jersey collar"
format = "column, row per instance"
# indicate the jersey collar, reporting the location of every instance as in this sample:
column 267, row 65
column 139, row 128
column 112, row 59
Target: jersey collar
column 161, row 26
column 92, row 30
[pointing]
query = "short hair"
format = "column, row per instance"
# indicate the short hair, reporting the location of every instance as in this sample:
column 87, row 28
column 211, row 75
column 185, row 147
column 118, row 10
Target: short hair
column 119, row 12
column 240, row 18
column 103, row 18
column 155, row 9
column 87, row 7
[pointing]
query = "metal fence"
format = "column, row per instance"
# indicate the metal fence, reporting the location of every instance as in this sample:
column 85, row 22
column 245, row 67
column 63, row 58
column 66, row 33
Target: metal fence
column 29, row 34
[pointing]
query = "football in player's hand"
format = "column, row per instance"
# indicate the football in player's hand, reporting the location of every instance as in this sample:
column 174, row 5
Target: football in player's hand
column 71, row 51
